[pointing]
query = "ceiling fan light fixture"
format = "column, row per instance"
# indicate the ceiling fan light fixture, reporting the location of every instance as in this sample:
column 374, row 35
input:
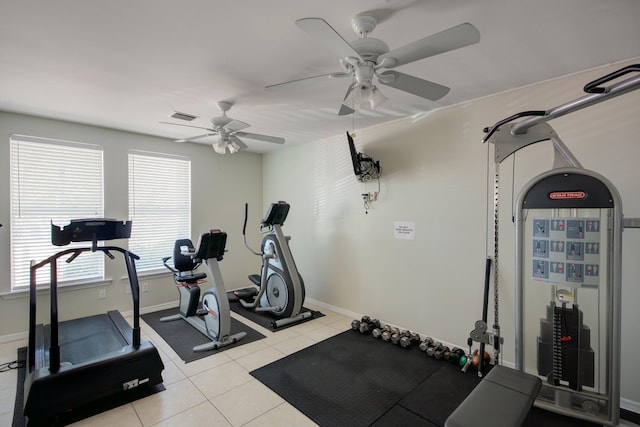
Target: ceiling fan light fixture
column 376, row 97
column 219, row 147
column 362, row 93
column 233, row 148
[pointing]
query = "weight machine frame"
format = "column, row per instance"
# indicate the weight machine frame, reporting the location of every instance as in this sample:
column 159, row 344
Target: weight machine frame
column 510, row 137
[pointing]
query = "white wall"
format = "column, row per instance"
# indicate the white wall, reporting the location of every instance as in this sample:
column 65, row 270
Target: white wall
column 220, row 187
column 435, row 175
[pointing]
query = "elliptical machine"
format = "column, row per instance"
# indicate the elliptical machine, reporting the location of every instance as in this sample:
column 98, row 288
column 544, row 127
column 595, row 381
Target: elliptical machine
column 213, row 320
column 280, row 286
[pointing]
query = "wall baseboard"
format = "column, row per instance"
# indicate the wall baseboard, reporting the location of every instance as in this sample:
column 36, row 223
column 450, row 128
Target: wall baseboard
column 630, row 405
column 338, row 310
column 153, row 308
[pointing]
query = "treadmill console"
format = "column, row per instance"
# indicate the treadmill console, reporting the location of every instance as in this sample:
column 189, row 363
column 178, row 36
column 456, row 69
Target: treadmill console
column 90, row 230
column 276, row 214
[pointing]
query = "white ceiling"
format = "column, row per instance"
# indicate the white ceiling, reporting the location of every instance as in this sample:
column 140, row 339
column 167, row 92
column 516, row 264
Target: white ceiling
column 130, row 64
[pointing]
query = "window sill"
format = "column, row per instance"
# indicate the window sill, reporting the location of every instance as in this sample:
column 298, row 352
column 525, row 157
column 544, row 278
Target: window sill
column 44, row 290
column 151, row 274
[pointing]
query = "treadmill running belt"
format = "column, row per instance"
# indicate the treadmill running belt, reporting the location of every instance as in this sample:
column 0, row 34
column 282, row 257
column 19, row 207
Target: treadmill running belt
column 86, row 338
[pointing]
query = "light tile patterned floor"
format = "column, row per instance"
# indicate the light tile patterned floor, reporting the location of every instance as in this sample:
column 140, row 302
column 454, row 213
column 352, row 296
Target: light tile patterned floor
column 214, row 391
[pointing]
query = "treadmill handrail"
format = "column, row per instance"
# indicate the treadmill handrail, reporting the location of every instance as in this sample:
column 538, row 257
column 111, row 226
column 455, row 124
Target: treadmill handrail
column 54, row 353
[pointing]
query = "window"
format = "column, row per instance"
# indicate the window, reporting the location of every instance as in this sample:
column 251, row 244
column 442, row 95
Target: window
column 52, row 182
column 159, row 206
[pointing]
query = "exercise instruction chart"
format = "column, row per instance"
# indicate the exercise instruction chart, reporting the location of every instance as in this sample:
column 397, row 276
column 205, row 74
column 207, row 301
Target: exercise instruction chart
column 566, row 251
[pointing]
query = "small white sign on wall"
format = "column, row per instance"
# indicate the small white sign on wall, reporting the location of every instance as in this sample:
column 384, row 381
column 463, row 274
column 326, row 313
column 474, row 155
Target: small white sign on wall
column 404, row 230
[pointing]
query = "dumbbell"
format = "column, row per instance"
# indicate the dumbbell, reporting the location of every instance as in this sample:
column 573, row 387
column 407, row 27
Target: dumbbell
column 476, row 359
column 468, row 358
column 446, row 354
column 456, row 355
column 462, row 362
column 367, row 325
column 426, row 343
column 409, row 339
column 386, row 335
column 437, row 347
column 395, row 338
column 438, row 353
column 377, row 332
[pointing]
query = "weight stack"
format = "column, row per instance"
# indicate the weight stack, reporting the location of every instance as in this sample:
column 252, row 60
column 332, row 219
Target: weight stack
column 564, row 348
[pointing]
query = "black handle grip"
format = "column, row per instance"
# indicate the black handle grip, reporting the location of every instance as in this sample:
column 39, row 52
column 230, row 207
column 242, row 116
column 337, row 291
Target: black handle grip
column 494, row 128
column 594, row 86
column 246, row 214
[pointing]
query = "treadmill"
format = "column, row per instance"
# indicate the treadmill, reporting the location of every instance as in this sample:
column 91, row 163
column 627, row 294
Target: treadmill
column 75, row 363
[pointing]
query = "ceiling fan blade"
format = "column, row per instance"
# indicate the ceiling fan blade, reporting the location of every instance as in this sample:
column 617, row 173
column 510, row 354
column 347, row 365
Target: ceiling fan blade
column 195, row 137
column 345, row 109
column 413, row 85
column 306, row 80
column 319, row 29
column 453, row 38
column 259, row 137
column 235, row 125
column 238, row 142
column 188, row 126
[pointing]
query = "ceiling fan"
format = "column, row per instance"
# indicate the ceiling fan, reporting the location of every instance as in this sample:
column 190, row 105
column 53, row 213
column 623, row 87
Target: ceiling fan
column 364, row 58
column 228, row 131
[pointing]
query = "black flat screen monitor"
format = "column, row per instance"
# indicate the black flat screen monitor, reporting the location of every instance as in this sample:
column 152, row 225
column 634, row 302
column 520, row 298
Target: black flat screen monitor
column 355, row 157
column 364, row 166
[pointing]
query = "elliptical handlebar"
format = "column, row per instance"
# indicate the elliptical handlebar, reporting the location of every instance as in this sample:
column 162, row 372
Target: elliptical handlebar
column 246, row 215
column 244, row 229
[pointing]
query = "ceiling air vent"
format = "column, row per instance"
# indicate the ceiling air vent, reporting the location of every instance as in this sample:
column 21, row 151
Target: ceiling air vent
column 183, row 116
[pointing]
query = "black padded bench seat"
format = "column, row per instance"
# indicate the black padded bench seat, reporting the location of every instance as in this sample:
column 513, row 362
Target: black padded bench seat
column 503, row 398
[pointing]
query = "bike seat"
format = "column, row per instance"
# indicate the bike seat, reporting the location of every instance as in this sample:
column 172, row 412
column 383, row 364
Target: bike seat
column 189, row 277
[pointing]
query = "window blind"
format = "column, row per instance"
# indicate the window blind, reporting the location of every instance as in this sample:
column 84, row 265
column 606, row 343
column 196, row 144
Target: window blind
column 159, row 206
column 52, row 181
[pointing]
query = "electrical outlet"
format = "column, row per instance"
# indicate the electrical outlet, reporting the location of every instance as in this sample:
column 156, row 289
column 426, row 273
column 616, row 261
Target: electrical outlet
column 145, row 287
column 102, row 293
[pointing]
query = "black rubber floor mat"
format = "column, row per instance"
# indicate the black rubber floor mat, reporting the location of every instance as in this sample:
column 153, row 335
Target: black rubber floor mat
column 401, row 417
column 265, row 319
column 81, row 413
column 182, row 337
column 540, row 417
column 347, row 380
column 437, row 397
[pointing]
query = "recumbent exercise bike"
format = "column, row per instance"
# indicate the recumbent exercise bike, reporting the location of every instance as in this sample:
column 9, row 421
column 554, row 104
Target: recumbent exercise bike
column 213, row 320
column 280, row 286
